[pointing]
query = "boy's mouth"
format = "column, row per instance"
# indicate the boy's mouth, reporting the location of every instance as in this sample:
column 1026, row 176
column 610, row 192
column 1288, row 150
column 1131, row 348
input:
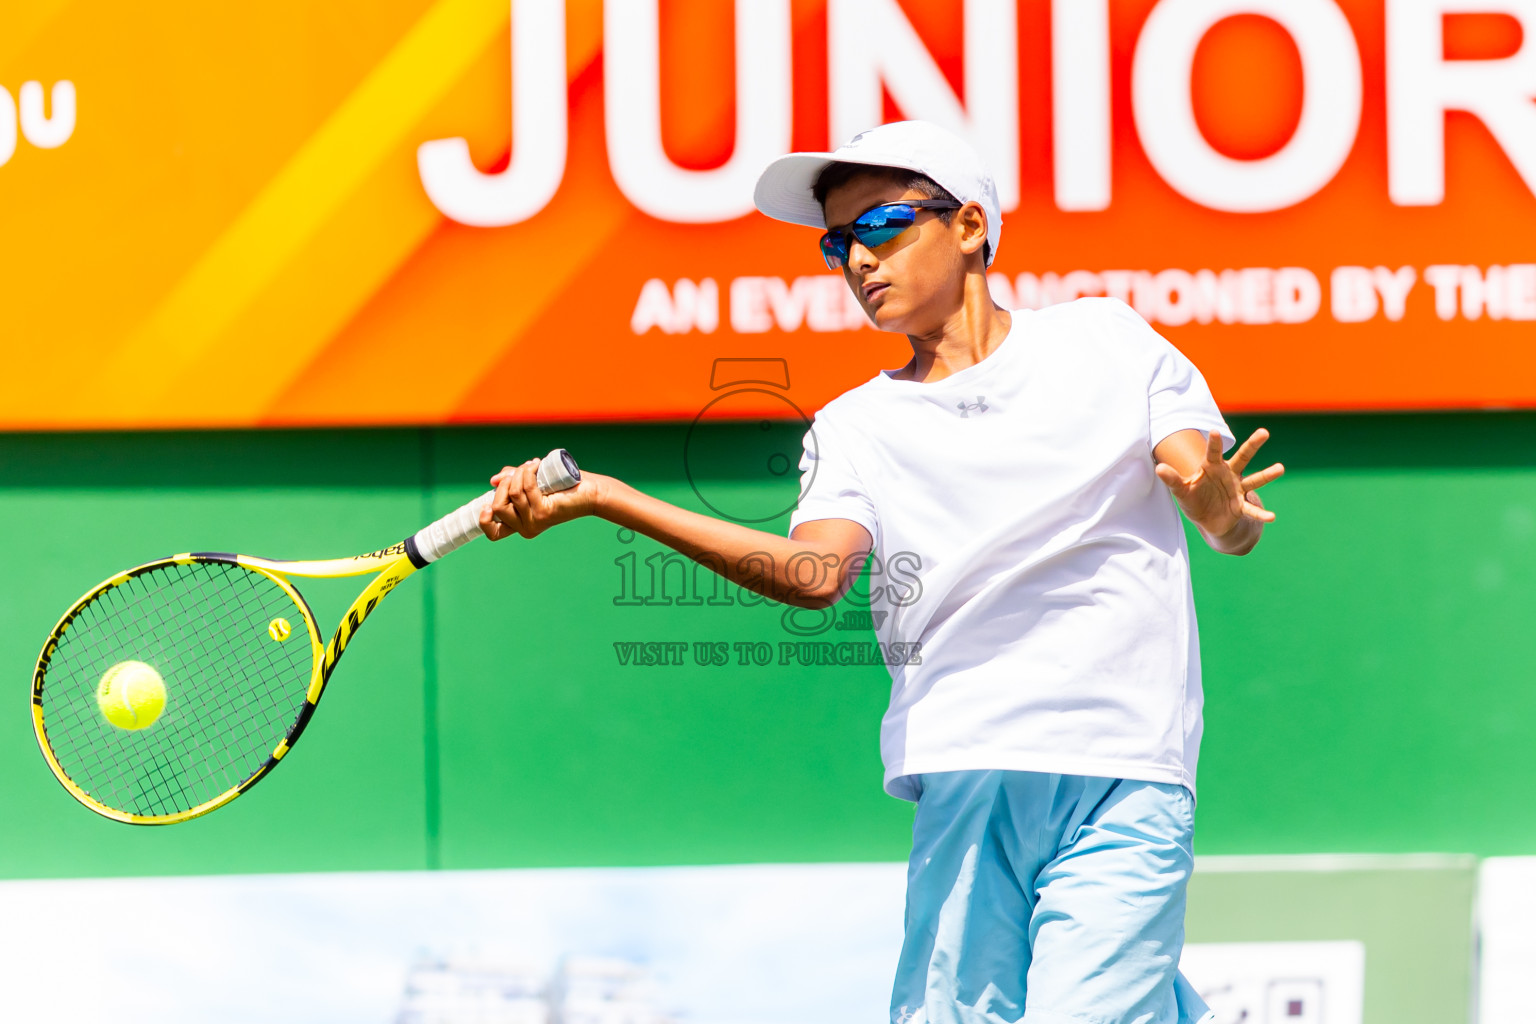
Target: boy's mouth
column 874, row 290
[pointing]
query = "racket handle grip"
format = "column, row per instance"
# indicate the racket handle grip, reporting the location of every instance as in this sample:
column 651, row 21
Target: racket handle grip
column 557, row 472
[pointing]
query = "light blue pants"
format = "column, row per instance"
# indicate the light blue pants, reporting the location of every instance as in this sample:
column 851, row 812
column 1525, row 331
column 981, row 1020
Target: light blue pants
column 1046, row 899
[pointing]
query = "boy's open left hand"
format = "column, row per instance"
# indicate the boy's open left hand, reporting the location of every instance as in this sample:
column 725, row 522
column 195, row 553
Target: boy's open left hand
column 1216, row 496
column 520, row 508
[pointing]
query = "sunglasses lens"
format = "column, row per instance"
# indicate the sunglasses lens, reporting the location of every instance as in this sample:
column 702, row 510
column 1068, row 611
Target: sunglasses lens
column 873, row 229
column 883, row 223
column 833, row 252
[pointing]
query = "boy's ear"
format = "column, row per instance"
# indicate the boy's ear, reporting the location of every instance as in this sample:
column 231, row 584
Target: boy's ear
column 972, row 221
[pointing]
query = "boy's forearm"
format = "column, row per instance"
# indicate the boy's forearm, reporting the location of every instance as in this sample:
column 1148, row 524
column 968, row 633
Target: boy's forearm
column 1239, row 540
column 777, row 567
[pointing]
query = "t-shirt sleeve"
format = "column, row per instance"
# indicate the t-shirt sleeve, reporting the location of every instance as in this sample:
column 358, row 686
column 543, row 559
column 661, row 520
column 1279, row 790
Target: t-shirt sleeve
column 830, row 487
column 1177, row 396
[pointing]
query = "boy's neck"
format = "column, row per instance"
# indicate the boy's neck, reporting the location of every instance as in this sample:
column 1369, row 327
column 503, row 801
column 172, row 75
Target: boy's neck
column 968, row 335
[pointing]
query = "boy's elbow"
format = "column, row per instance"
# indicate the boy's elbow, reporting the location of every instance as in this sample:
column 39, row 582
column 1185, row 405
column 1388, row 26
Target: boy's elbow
column 823, row 596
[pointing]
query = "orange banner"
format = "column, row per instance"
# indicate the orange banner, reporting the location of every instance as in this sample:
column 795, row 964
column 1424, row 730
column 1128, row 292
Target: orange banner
column 457, row 211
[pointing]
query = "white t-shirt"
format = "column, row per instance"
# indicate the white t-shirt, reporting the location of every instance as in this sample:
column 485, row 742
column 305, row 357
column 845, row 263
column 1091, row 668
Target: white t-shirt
column 1024, row 541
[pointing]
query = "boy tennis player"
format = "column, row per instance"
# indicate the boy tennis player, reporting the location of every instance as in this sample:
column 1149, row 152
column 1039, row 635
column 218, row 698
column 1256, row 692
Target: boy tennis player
column 1033, row 464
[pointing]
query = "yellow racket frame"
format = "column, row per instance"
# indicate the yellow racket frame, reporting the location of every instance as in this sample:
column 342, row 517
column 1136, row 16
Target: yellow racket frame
column 391, row 566
column 557, row 471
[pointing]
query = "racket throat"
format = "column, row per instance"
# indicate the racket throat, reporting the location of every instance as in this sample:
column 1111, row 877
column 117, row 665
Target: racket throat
column 343, row 636
column 363, row 607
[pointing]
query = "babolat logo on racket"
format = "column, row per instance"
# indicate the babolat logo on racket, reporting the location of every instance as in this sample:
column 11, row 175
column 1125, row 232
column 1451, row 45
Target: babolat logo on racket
column 966, row 408
column 394, row 550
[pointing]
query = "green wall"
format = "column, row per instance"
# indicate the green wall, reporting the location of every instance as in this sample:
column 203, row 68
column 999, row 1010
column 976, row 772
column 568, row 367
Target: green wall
column 1366, row 669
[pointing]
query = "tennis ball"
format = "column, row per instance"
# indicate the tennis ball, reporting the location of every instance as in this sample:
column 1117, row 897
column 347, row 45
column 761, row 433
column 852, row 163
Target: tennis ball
column 131, row 695
column 279, row 629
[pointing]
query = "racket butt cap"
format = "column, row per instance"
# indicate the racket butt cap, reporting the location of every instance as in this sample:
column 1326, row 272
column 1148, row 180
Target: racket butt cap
column 558, row 472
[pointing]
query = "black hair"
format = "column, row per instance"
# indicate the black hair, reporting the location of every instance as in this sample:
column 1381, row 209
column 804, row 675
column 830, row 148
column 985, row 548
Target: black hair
column 839, row 174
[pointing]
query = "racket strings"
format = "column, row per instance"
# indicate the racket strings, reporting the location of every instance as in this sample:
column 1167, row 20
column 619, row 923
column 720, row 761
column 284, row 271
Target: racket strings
column 127, row 604
column 233, row 692
column 207, row 754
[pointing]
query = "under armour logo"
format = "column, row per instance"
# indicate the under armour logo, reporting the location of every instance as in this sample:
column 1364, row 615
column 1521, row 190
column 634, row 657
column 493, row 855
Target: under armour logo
column 966, row 408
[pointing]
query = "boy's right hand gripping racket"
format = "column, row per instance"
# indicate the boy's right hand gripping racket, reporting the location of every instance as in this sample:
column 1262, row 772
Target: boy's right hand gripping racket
column 171, row 688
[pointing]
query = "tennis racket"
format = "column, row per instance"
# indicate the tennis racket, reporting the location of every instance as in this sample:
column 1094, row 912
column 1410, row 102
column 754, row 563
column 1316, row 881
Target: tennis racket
column 242, row 662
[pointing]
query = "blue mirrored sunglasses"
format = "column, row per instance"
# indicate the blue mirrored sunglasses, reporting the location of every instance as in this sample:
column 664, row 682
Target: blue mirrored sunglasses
column 876, row 226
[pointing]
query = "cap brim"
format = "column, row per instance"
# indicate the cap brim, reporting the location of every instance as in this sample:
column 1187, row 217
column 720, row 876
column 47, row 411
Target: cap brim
column 783, row 190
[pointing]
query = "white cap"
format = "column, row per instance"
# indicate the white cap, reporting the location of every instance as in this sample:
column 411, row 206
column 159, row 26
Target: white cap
column 784, row 189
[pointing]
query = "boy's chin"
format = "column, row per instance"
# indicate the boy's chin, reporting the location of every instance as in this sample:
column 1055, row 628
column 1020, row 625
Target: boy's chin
column 891, row 319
